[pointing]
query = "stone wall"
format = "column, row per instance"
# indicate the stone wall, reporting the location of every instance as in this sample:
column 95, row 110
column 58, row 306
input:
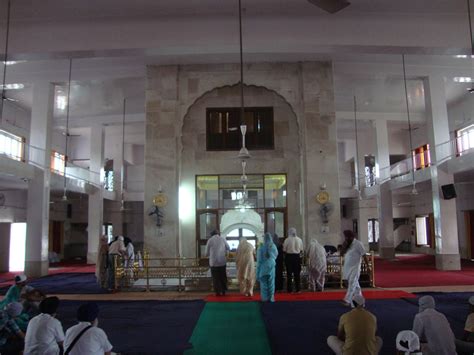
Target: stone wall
column 306, row 88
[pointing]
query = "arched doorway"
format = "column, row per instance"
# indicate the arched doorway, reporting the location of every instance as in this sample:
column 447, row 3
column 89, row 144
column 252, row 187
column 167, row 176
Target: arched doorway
column 238, row 223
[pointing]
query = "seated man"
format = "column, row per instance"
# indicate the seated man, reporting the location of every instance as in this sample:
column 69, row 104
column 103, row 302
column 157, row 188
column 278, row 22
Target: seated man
column 433, row 329
column 408, row 343
column 356, row 332
column 45, row 333
column 14, row 292
column 86, row 337
column 466, row 344
column 11, row 336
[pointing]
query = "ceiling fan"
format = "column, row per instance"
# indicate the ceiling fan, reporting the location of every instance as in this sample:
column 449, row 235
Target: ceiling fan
column 331, row 6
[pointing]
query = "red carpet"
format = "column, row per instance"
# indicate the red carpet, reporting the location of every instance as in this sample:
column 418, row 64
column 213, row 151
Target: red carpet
column 419, row 270
column 312, row 296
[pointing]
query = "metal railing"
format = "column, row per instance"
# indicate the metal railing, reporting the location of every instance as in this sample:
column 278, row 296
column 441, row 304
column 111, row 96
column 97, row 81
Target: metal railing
column 191, row 273
column 39, row 158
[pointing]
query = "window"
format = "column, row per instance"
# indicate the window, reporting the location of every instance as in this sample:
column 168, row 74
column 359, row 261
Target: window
column 58, row 163
column 370, row 173
column 234, row 236
column 109, row 175
column 107, row 230
column 422, row 231
column 421, row 157
column 465, row 139
column 353, row 173
column 216, row 194
column 223, row 128
column 374, row 235
column 11, row 145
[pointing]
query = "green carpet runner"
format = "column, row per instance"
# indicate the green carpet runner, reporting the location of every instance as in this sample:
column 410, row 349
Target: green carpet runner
column 230, row 328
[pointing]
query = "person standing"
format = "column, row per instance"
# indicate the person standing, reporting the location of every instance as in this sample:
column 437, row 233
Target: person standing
column 356, row 332
column 116, row 249
column 245, row 261
column 293, row 248
column 266, row 256
column 216, row 249
column 86, row 337
column 101, row 264
column 433, row 329
column 353, row 250
column 279, row 264
column 316, row 266
column 45, row 333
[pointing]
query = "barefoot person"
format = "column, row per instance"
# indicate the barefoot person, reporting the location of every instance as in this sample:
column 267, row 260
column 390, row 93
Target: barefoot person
column 353, row 251
column 245, row 260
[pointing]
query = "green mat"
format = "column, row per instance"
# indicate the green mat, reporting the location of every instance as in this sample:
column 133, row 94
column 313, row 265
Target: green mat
column 230, row 328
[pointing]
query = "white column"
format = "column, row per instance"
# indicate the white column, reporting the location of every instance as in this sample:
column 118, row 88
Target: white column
column 96, row 199
column 5, row 247
column 117, row 216
column 444, row 211
column 384, row 194
column 37, row 216
column 363, row 216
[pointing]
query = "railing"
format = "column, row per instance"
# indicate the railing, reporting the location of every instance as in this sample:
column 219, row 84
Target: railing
column 186, row 273
column 39, row 158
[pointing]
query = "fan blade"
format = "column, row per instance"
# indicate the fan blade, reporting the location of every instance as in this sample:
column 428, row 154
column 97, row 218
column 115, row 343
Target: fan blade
column 331, row 6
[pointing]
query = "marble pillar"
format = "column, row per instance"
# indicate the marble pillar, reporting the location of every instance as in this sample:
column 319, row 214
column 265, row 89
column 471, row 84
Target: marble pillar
column 96, row 198
column 5, row 247
column 444, row 211
column 37, row 217
column 384, row 195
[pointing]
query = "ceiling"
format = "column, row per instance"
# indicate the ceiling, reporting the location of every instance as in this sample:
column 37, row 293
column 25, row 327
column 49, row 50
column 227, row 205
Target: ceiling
column 72, row 9
column 102, row 79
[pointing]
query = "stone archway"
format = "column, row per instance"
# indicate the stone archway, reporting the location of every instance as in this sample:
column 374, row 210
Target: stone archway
column 248, row 219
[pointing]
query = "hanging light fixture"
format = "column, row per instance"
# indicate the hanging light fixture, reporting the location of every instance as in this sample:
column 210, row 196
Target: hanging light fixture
column 243, row 153
column 356, row 163
column 5, row 61
column 66, row 134
column 413, row 190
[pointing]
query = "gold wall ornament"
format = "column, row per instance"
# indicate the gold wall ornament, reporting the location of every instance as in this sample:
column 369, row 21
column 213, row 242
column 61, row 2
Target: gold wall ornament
column 160, row 200
column 322, row 197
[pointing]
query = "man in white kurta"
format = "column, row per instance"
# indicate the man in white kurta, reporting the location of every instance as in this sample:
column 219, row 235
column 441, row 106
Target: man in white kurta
column 245, row 260
column 316, row 265
column 353, row 253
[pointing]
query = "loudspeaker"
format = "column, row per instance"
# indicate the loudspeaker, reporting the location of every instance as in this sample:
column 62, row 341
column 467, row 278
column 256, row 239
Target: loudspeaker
column 69, row 211
column 449, row 191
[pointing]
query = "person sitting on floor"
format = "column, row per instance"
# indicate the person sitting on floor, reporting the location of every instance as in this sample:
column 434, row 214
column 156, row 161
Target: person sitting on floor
column 466, row 344
column 14, row 292
column 266, row 262
column 408, row 343
column 356, row 332
column 11, row 336
column 245, row 262
column 45, row 333
column 86, row 337
column 433, row 329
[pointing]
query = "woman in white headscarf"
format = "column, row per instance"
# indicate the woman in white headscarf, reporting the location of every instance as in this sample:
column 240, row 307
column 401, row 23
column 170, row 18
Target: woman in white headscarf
column 316, row 265
column 245, row 260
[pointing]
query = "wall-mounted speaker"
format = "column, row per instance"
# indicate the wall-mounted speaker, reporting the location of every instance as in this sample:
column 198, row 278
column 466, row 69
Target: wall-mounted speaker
column 449, row 191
